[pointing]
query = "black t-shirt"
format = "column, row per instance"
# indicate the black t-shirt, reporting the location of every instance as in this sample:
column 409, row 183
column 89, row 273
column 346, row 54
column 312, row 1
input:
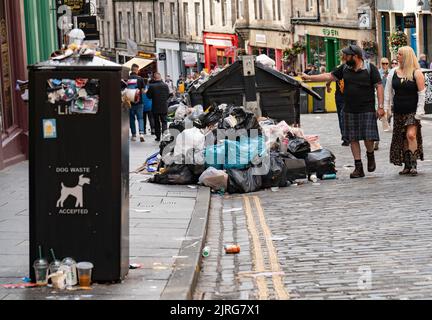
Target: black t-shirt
column 359, row 87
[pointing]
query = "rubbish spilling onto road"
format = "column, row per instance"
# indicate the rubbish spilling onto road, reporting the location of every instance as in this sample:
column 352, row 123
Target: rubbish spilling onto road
column 228, row 149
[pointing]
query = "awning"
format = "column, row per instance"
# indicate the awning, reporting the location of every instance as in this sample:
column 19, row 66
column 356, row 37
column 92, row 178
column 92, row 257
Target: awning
column 142, row 63
column 218, row 42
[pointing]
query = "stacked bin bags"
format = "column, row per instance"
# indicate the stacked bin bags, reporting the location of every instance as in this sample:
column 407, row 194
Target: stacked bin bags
column 229, row 150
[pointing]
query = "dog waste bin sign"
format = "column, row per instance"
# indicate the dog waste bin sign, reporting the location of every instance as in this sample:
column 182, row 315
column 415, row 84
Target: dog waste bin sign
column 79, row 165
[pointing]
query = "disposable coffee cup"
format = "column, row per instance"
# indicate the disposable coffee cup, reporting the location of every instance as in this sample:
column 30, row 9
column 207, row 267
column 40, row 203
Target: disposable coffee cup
column 54, row 266
column 41, row 268
column 84, row 273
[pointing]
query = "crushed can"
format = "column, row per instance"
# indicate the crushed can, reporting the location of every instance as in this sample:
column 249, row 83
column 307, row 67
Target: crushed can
column 232, row 248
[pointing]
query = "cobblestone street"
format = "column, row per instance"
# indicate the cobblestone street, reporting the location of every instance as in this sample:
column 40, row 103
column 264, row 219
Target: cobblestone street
column 342, row 239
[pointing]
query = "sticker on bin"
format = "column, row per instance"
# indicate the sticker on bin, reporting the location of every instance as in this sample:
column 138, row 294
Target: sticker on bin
column 50, row 128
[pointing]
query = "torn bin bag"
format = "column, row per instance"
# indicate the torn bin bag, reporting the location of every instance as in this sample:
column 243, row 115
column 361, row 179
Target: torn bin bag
column 176, row 174
column 299, row 147
column 296, row 168
column 321, row 162
column 243, row 181
column 277, row 174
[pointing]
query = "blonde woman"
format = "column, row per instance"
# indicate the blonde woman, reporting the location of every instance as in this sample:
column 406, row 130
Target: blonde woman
column 405, row 90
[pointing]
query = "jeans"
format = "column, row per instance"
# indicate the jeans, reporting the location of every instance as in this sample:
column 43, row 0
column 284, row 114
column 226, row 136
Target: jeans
column 136, row 113
column 150, row 117
column 160, row 118
column 340, row 104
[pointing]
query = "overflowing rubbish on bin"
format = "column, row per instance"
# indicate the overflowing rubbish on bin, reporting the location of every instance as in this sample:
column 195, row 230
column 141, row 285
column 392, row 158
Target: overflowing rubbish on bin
column 81, row 95
column 229, row 149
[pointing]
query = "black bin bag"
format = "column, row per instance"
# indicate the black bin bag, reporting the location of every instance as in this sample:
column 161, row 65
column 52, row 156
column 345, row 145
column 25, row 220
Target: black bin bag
column 295, row 168
column 321, row 162
column 299, row 147
column 243, row 181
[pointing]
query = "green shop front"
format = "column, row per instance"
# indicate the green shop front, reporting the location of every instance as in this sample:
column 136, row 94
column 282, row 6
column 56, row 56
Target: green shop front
column 324, row 44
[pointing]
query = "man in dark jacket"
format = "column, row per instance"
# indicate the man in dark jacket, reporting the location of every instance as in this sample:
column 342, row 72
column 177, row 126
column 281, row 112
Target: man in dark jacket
column 159, row 93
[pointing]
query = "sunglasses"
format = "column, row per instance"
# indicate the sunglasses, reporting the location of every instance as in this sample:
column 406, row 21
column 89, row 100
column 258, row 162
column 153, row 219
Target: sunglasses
column 384, row 63
column 394, row 62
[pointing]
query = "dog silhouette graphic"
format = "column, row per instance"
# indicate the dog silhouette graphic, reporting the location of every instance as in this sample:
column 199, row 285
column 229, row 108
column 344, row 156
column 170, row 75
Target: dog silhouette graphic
column 76, row 192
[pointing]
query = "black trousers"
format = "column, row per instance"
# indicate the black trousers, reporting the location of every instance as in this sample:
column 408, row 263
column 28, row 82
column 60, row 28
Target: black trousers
column 150, row 117
column 160, row 119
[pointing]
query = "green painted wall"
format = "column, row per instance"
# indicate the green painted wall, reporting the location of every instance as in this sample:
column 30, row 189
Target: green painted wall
column 41, row 29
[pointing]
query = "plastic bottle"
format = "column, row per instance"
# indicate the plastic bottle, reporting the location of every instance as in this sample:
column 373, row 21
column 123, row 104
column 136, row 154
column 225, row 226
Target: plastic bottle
column 69, row 265
column 313, row 178
column 331, row 176
column 206, row 252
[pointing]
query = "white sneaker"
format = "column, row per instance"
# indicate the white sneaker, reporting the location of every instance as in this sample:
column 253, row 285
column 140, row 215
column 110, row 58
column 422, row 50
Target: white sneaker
column 134, row 138
column 142, row 138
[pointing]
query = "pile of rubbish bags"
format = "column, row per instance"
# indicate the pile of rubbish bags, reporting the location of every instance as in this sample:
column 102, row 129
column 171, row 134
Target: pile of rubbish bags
column 229, row 150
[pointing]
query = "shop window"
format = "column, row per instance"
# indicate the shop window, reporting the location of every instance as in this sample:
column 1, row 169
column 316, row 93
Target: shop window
column 317, row 55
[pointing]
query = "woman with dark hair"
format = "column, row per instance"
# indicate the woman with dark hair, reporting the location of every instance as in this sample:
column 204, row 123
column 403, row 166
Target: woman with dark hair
column 147, row 112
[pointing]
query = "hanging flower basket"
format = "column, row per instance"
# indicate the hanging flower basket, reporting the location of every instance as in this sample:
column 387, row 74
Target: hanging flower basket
column 396, row 40
column 290, row 54
column 370, row 47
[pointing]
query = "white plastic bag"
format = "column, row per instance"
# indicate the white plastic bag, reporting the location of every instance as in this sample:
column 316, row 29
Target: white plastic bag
column 215, row 179
column 190, row 139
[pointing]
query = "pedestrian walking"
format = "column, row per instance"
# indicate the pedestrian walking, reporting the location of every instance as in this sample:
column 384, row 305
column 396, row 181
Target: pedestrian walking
column 148, row 108
column 423, row 61
column 405, row 89
column 384, row 72
column 340, row 102
column 135, row 82
column 361, row 78
column 170, row 84
column 159, row 93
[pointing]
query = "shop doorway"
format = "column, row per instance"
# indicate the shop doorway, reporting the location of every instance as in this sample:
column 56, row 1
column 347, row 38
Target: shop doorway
column 332, row 49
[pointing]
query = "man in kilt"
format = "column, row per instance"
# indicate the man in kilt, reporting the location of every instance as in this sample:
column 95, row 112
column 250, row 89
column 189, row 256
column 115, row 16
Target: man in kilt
column 361, row 78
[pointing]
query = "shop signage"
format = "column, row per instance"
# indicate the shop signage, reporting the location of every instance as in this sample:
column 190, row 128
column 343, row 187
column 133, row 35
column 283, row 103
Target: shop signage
column 364, row 21
column 190, row 59
column 261, row 38
column 88, row 24
column 78, row 7
column 409, row 22
column 162, row 56
column 330, row 32
column 145, row 55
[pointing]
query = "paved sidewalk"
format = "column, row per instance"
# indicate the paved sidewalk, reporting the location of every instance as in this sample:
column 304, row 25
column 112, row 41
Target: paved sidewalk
column 167, row 240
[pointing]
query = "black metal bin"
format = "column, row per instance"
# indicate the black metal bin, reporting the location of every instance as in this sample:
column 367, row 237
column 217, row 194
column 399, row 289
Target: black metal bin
column 79, row 165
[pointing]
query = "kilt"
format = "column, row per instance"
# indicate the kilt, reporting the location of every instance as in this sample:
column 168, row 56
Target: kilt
column 360, row 126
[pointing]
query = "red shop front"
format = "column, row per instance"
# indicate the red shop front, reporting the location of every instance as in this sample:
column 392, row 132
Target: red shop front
column 219, row 49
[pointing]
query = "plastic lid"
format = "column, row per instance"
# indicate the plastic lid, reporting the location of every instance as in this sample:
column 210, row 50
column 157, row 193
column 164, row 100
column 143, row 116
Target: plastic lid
column 85, row 265
column 68, row 260
column 40, row 262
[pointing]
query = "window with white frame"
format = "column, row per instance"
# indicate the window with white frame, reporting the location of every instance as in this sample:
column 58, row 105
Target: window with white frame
column 140, row 27
column 172, row 16
column 326, row 5
column 162, row 14
column 212, row 11
column 197, row 18
column 342, row 4
column 224, row 12
column 309, row 5
column 239, row 9
column 185, row 18
column 150, row 26
column 129, row 22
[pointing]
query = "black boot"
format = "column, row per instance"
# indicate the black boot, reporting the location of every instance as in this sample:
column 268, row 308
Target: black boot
column 407, row 161
column 371, row 161
column 358, row 172
column 413, row 163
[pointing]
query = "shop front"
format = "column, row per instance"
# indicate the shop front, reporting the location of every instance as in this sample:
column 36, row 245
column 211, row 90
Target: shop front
column 324, row 43
column 13, row 112
column 192, row 58
column 220, row 49
column 270, row 43
column 169, row 56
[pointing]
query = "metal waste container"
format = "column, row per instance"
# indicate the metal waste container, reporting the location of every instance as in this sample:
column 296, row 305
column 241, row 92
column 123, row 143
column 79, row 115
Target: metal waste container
column 79, row 165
